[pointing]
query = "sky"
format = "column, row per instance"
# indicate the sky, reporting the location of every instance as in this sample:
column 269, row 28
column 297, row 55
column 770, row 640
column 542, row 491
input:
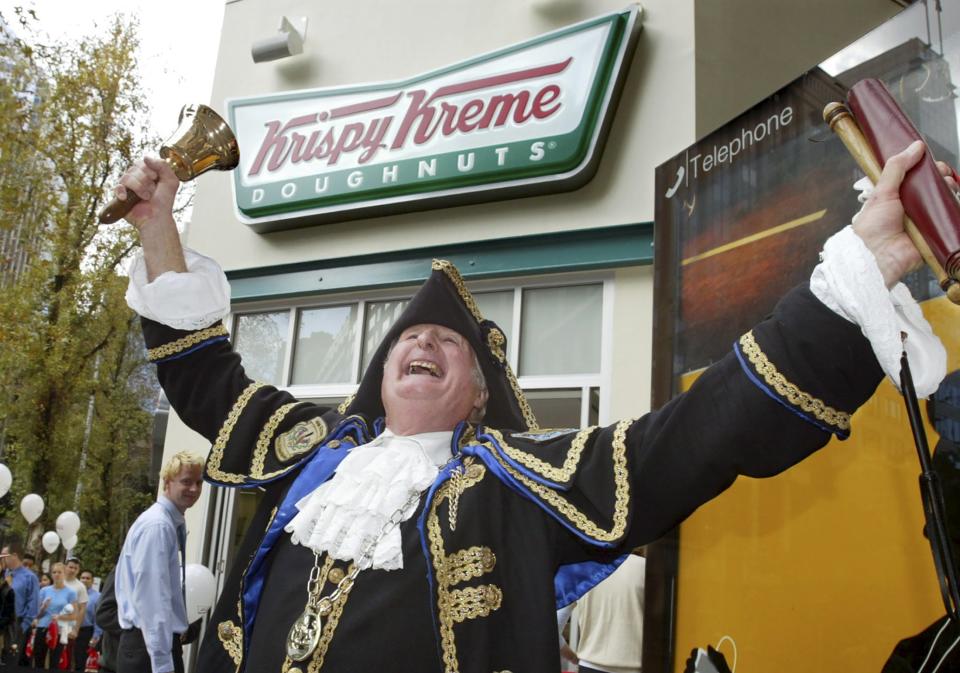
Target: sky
column 175, row 70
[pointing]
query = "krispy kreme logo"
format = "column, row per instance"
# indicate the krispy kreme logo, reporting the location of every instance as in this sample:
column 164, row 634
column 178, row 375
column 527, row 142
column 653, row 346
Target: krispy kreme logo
column 410, row 118
column 497, row 125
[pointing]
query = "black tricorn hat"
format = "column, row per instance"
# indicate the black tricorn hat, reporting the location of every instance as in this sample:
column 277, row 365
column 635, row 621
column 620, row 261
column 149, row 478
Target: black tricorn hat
column 445, row 300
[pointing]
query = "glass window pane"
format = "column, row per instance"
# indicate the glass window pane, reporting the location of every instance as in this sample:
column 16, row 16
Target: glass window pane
column 498, row 307
column 325, row 342
column 261, row 340
column 560, row 330
column 380, row 318
column 555, row 408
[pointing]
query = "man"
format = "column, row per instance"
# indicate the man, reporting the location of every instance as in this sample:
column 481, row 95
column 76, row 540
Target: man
column 26, row 590
column 610, row 620
column 29, row 560
column 72, row 580
column 86, row 636
column 428, row 523
column 149, row 580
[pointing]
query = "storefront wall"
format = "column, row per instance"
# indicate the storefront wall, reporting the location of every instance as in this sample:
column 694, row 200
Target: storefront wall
column 688, row 72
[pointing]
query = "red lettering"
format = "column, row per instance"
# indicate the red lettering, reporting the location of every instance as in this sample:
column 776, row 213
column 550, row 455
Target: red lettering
column 419, row 110
column 468, row 113
column 276, row 142
column 544, row 97
column 503, row 104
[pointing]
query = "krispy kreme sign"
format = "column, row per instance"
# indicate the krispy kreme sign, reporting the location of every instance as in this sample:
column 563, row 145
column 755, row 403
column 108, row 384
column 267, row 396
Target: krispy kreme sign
column 524, row 120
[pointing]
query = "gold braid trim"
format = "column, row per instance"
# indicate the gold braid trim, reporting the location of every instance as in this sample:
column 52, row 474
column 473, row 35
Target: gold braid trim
column 263, row 442
column 469, row 563
column 342, row 409
column 449, row 608
column 454, row 275
column 575, row 516
column 183, row 343
column 473, row 602
column 788, row 391
column 216, row 452
column 495, row 340
column 543, row 468
column 231, row 636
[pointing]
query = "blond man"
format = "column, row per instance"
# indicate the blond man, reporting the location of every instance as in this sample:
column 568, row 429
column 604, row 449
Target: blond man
column 149, row 580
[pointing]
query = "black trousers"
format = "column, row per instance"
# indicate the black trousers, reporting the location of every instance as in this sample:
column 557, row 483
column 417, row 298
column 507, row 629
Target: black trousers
column 80, row 646
column 42, row 656
column 132, row 656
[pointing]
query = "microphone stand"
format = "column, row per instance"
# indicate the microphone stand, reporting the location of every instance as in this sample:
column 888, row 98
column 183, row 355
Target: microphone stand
column 931, row 495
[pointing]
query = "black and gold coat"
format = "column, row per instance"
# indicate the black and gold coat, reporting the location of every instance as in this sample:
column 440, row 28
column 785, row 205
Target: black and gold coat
column 522, row 521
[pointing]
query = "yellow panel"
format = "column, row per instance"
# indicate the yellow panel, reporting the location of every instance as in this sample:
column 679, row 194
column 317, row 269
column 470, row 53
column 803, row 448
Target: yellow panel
column 825, row 567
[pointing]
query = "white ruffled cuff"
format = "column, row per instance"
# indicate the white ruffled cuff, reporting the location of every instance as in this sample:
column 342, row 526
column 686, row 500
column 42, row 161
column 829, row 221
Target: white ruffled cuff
column 187, row 301
column 344, row 515
column 849, row 282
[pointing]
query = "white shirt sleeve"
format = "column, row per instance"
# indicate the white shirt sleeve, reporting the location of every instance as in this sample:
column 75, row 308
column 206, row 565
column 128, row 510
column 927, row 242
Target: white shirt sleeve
column 187, row 301
column 849, row 282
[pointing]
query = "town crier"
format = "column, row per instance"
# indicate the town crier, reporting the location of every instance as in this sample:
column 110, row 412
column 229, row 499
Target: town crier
column 429, row 524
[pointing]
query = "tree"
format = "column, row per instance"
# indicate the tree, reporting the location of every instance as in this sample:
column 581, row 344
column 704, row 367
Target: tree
column 76, row 390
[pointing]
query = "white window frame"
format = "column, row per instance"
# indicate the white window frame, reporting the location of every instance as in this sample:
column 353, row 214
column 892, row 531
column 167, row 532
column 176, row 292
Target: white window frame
column 584, row 382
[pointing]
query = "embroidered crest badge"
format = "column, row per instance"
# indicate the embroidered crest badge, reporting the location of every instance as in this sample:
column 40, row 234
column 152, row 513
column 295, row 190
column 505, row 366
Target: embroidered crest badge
column 300, row 438
column 545, row 435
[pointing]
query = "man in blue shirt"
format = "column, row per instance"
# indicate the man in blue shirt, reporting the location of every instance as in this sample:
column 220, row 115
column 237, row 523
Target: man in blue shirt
column 149, row 580
column 88, row 634
column 26, row 589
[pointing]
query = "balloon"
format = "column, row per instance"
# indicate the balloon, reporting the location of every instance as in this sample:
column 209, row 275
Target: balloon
column 201, row 591
column 31, row 507
column 70, row 542
column 67, row 609
column 68, row 523
column 5, row 479
column 50, row 541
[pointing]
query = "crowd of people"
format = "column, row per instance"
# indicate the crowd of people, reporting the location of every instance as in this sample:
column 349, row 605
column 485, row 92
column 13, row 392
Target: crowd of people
column 48, row 619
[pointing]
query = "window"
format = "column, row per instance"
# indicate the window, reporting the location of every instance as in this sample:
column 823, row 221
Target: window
column 554, row 332
column 325, row 345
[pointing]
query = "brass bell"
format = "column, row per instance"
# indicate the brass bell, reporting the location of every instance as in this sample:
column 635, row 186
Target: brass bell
column 202, row 141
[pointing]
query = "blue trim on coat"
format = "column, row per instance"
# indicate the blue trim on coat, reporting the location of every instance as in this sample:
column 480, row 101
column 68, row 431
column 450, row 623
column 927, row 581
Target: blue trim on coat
column 575, row 579
column 520, row 468
column 841, row 434
column 481, row 452
column 314, row 472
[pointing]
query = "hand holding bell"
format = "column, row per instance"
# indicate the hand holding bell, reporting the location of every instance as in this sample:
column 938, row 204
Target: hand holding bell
column 202, row 141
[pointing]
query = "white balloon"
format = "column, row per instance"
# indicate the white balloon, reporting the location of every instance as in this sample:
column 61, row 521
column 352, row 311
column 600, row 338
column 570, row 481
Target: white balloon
column 67, row 609
column 201, row 591
column 5, row 479
column 31, row 507
column 50, row 541
column 70, row 542
column 68, row 523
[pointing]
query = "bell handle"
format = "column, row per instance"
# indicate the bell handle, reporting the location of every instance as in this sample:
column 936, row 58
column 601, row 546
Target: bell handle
column 117, row 208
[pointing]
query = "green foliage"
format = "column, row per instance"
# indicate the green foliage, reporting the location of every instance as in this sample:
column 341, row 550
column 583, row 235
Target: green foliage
column 71, row 120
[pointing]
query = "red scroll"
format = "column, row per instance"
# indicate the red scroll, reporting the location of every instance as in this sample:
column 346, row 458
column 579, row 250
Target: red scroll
column 925, row 196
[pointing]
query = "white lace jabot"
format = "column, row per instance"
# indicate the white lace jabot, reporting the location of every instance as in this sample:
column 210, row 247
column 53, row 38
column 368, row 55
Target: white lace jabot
column 344, row 515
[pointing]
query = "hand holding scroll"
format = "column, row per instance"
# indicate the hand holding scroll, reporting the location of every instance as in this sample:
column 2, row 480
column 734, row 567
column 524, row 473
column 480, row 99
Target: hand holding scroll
column 880, row 223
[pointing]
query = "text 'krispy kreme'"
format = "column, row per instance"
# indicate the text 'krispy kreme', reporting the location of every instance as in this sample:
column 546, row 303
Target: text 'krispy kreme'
column 323, row 137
